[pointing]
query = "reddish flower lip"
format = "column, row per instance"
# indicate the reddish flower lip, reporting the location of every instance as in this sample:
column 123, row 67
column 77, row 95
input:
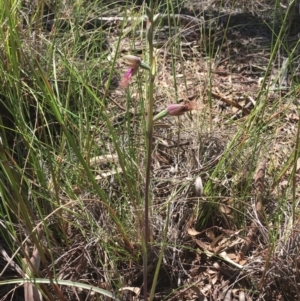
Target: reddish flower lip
column 127, row 77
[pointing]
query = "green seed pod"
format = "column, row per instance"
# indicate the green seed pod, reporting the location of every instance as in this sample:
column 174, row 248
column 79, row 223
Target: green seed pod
column 149, row 13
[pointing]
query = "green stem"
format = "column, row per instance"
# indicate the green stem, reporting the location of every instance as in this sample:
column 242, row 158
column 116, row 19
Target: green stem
column 149, row 136
column 161, row 253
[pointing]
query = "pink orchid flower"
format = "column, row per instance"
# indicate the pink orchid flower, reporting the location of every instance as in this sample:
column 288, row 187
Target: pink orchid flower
column 135, row 63
column 178, row 109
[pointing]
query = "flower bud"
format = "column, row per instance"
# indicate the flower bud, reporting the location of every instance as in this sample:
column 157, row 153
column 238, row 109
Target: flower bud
column 177, row 109
column 149, row 12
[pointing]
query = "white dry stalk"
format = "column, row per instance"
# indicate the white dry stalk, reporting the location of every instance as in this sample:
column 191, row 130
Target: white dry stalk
column 11, row 263
column 31, row 293
column 198, row 187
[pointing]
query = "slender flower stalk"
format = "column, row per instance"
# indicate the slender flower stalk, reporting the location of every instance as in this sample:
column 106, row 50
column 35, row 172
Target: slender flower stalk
column 135, row 63
column 149, row 136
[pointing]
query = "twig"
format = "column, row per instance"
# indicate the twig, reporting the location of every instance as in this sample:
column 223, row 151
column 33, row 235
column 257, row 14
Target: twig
column 230, row 102
column 184, row 19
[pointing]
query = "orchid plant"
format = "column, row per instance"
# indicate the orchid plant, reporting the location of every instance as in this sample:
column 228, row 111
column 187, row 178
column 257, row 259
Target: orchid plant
column 173, row 110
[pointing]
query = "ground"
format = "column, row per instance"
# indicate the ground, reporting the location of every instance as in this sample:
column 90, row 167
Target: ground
column 225, row 176
column 224, row 67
